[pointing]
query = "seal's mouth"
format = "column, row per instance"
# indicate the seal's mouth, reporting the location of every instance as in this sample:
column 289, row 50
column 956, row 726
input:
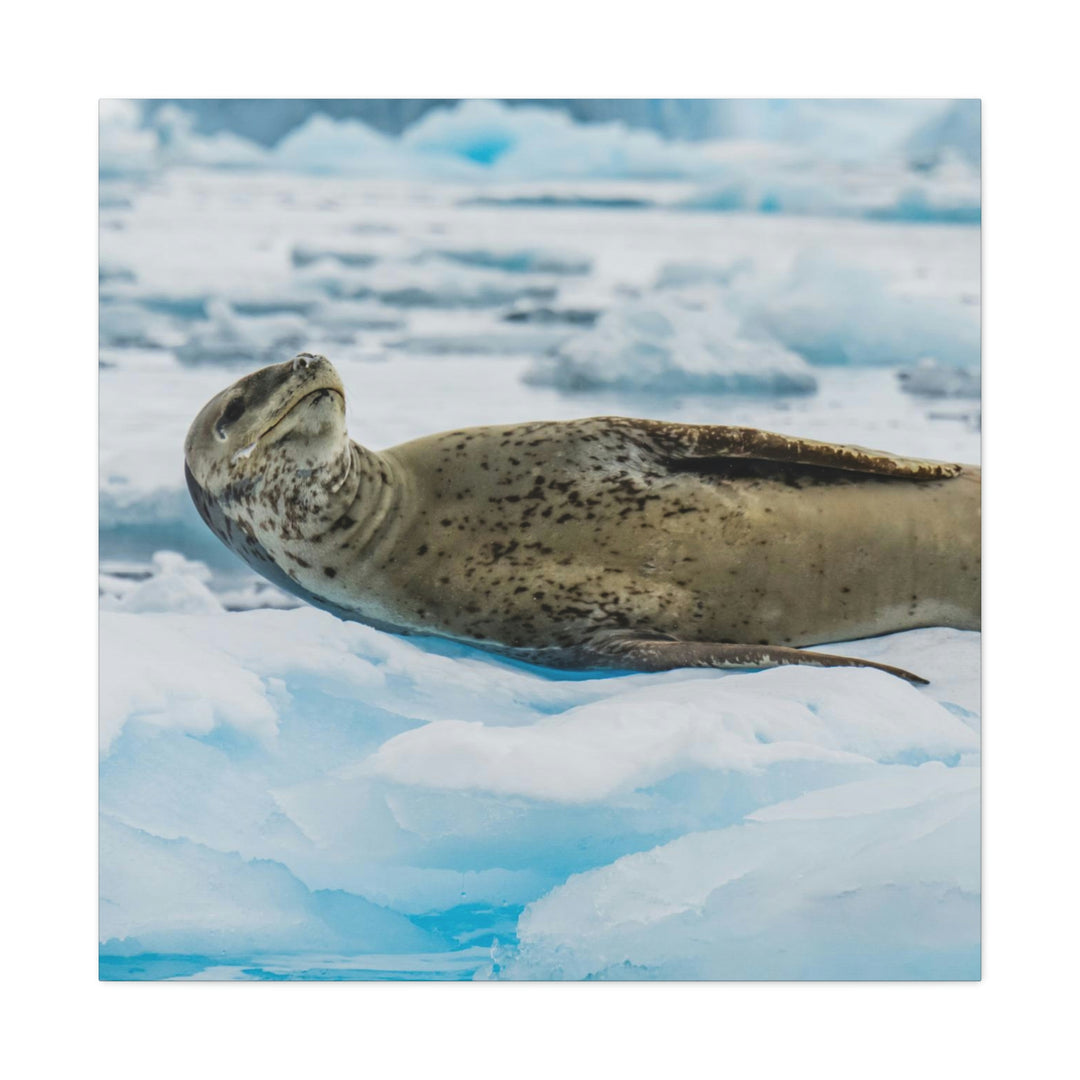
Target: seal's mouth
column 310, row 397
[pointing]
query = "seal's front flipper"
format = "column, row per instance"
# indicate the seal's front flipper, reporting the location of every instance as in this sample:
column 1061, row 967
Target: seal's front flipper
column 654, row 652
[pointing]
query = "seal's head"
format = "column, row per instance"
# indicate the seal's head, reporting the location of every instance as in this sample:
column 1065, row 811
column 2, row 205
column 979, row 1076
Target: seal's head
column 298, row 405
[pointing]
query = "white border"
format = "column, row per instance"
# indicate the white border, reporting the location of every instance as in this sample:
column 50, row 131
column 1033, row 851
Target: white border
column 62, row 60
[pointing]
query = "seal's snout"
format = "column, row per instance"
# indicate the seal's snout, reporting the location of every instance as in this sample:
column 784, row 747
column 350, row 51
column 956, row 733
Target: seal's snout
column 305, row 374
column 306, row 359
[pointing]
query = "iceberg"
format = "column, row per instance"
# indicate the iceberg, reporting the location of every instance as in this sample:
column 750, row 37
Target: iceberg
column 125, row 146
column 348, row 147
column 911, row 161
column 133, row 145
column 673, row 346
column 832, row 312
column 956, row 129
column 850, row 128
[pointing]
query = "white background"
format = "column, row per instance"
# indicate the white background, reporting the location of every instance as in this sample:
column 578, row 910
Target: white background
column 60, row 60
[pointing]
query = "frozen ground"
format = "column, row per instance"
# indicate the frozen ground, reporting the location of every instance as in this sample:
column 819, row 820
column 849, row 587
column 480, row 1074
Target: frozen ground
column 287, row 796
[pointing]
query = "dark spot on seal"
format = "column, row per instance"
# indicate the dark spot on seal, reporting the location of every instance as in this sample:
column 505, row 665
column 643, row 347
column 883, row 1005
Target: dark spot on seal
column 329, row 571
column 422, row 549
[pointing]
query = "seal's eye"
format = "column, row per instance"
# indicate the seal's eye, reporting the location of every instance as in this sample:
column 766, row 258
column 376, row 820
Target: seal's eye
column 233, row 411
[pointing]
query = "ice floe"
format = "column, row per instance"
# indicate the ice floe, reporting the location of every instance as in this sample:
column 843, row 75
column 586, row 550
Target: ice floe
column 452, row 788
column 520, row 260
column 877, row 879
column 928, row 378
column 350, row 802
column 226, row 337
column 673, row 346
column 430, row 285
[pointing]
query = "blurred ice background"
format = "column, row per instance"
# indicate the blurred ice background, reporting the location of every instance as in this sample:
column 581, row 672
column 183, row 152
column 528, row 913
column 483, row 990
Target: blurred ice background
column 287, row 796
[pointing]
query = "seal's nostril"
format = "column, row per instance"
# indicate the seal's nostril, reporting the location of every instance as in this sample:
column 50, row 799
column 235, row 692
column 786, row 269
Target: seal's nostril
column 303, row 360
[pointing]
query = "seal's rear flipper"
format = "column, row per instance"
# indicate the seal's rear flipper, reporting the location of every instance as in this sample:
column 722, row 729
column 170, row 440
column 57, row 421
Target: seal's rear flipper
column 654, row 652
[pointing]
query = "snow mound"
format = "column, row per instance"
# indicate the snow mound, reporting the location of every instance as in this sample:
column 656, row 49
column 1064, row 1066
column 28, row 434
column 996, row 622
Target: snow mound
column 613, row 747
column 674, row 346
column 885, row 871
column 177, row 584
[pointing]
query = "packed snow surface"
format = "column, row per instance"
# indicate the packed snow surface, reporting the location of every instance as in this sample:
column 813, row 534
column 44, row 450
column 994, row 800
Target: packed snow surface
column 284, row 795
column 324, row 787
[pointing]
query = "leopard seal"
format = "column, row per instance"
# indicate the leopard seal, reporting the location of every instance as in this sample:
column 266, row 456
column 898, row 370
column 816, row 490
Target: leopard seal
column 608, row 542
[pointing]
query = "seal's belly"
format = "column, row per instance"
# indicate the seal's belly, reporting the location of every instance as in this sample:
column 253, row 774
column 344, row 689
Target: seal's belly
column 697, row 557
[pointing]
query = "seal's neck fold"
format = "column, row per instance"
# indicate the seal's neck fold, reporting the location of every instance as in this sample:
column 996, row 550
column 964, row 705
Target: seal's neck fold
column 356, row 496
